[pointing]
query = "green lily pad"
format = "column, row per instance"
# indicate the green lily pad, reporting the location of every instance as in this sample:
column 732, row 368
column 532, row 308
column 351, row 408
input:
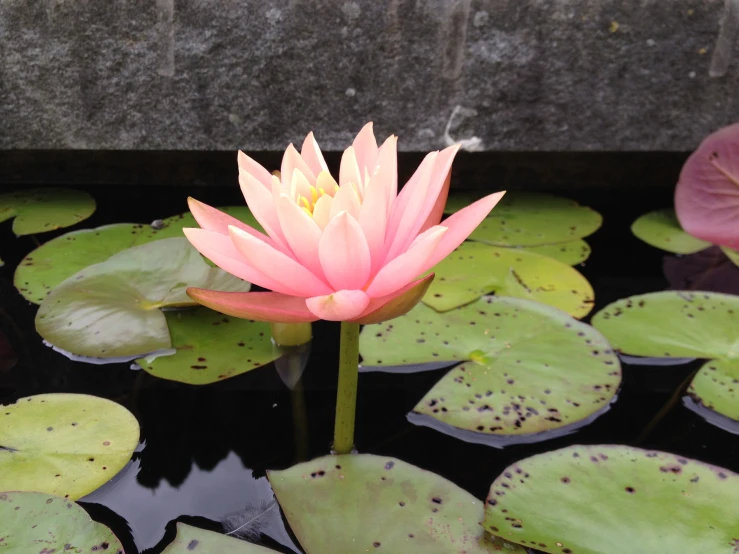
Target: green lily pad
column 64, row 444
column 673, row 324
column 112, row 309
column 571, row 253
column 474, row 270
column 191, row 539
column 615, row 499
column 365, row 503
column 45, row 209
column 36, row 522
column 661, row 229
column 528, row 368
column 212, row 347
column 716, row 386
column 733, row 255
column 530, row 219
column 53, row 262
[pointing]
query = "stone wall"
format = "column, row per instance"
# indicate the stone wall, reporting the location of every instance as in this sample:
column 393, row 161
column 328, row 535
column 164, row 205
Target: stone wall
column 516, row 75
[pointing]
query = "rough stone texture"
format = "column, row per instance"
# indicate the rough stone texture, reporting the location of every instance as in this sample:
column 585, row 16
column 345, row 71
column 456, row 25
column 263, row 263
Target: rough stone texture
column 226, row 74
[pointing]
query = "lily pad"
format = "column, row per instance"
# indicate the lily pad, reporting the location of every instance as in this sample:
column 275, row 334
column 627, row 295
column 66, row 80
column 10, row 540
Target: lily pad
column 64, row 444
column 191, row 539
column 45, row 209
column 716, row 386
column 112, row 309
column 53, row 262
column 673, row 324
column 212, row 347
column 474, row 270
column 571, row 253
column 365, row 503
column 528, row 368
column 37, row 522
column 661, row 229
column 530, row 219
column 615, row 499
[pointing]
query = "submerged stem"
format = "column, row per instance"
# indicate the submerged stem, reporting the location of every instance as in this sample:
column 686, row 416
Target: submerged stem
column 346, row 397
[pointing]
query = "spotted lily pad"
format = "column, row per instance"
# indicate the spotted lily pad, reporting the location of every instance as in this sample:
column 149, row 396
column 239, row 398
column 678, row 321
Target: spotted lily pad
column 615, row 499
column 45, row 209
column 212, row 347
column 37, row 522
column 661, row 229
column 112, row 309
column 361, row 503
column 191, row 539
column 528, row 368
column 530, row 219
column 53, row 262
column 716, row 386
column 64, row 444
column 571, row 253
column 673, row 324
column 475, row 269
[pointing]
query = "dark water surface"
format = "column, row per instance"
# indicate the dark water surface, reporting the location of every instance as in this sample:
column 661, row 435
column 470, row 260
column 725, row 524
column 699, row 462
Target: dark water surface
column 205, row 450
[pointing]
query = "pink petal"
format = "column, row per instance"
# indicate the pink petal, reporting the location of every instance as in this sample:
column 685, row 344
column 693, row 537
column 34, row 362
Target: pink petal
column 396, row 304
column 349, row 171
column 461, row 224
column 301, row 233
column 276, row 265
column 365, row 148
column 344, row 254
column 373, row 220
column 272, row 307
column 215, row 220
column 386, row 169
column 292, row 160
column 262, row 205
column 437, row 211
column 346, row 200
column 311, row 154
column 407, row 266
column 341, row 305
column 221, row 251
column 254, row 169
column 707, row 194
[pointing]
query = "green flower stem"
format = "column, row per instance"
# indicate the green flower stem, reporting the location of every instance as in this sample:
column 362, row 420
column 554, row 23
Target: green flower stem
column 346, row 398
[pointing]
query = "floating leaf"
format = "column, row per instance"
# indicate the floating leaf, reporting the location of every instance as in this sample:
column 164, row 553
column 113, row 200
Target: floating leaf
column 673, row 324
column 661, row 229
column 111, row 309
column 475, row 269
column 64, row 444
column 36, row 522
column 528, row 368
column 529, row 219
column 706, row 199
column 212, row 347
column 716, row 386
column 191, row 539
column 365, row 503
column 45, row 209
column 53, row 262
column 570, row 253
column 615, row 499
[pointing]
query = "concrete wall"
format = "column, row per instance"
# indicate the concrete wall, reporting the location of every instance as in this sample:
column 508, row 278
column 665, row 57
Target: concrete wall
column 255, row 74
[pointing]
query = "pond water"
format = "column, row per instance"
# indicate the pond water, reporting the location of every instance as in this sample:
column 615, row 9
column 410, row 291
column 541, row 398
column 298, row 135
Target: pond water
column 205, row 450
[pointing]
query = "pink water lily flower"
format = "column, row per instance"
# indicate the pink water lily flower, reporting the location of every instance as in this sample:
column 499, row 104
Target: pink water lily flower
column 352, row 250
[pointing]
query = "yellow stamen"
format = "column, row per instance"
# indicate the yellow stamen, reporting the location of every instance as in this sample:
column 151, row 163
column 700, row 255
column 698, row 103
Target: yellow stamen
column 306, row 205
column 306, row 210
column 314, row 193
column 321, row 192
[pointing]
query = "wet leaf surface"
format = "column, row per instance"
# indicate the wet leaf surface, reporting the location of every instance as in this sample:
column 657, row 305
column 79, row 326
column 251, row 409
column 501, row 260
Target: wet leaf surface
column 365, row 503
column 661, row 229
column 36, row 522
column 716, row 386
column 529, row 219
column 45, row 209
column 615, row 499
column 64, row 444
column 60, row 258
column 212, row 347
column 528, row 368
column 475, row 269
column 191, row 539
column 112, row 309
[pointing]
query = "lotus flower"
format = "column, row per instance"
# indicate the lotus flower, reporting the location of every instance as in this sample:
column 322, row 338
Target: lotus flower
column 707, row 194
column 352, row 250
